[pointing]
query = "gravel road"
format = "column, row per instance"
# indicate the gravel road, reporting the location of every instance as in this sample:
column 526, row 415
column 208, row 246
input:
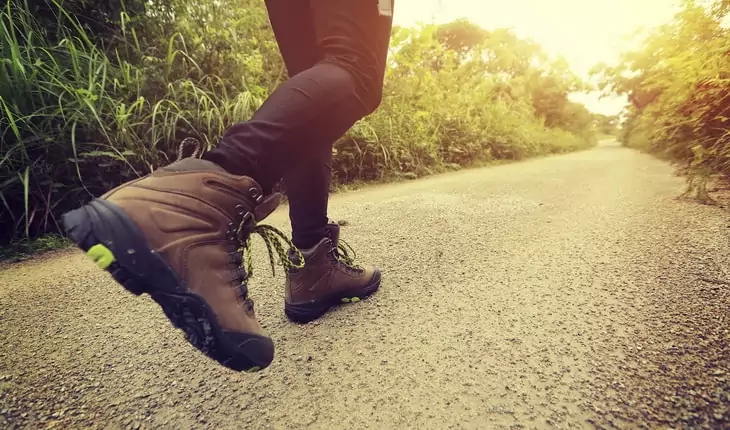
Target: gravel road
column 572, row 291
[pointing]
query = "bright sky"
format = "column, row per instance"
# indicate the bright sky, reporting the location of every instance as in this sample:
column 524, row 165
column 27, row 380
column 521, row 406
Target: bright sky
column 585, row 32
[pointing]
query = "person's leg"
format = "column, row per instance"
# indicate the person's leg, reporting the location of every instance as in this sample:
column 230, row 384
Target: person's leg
column 306, row 296
column 307, row 184
column 307, row 108
column 330, row 275
column 307, row 188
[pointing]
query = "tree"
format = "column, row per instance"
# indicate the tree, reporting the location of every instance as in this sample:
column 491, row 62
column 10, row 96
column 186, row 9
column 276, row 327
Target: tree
column 678, row 83
column 606, row 124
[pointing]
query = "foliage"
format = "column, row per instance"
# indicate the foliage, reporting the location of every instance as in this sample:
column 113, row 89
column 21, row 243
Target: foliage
column 95, row 94
column 25, row 249
column 678, row 83
column 606, row 124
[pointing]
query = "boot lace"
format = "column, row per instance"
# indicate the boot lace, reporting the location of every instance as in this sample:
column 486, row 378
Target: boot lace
column 241, row 256
column 273, row 239
column 241, row 235
column 344, row 254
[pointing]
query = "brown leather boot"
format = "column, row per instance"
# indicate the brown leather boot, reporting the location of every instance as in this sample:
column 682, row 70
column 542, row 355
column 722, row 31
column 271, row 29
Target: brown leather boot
column 329, row 277
column 179, row 235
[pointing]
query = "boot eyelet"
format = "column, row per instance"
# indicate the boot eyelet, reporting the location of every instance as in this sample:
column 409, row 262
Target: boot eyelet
column 240, row 210
column 255, row 194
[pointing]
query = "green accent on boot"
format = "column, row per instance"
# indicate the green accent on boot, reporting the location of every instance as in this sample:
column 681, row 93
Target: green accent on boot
column 101, row 255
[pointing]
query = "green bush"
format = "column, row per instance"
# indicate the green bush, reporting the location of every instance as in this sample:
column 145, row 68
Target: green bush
column 86, row 107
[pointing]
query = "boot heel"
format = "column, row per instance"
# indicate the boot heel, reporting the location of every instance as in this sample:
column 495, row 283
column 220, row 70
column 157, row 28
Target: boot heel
column 306, row 312
column 79, row 225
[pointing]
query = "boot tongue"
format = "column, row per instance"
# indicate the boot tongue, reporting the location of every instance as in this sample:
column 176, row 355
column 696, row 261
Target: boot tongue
column 192, row 164
column 267, row 206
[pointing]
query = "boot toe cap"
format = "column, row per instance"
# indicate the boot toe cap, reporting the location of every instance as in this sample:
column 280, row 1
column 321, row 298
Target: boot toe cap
column 247, row 351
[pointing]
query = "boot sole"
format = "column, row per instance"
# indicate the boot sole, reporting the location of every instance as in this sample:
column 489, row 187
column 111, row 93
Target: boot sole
column 310, row 311
column 115, row 243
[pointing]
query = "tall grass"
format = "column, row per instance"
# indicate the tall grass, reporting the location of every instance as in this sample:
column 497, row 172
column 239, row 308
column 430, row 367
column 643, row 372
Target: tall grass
column 77, row 119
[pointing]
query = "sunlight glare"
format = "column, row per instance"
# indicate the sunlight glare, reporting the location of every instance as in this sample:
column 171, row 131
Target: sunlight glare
column 585, row 32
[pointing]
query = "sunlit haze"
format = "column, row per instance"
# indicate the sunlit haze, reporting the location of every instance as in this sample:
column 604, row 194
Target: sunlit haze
column 585, row 32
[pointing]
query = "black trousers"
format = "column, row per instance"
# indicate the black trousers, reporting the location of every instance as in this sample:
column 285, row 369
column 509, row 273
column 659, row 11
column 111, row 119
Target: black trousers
column 335, row 52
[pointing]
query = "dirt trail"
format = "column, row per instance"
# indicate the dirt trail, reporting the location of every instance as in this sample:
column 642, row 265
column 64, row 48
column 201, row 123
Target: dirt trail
column 566, row 292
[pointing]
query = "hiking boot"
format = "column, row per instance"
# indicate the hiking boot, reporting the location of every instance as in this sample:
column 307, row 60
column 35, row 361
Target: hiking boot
column 179, row 234
column 329, row 277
